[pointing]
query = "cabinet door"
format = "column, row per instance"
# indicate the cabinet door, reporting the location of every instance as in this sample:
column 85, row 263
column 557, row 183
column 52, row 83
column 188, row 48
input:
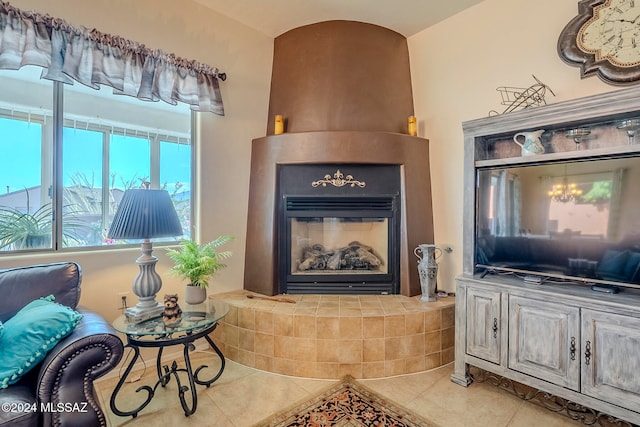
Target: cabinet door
column 544, row 340
column 483, row 324
column 610, row 366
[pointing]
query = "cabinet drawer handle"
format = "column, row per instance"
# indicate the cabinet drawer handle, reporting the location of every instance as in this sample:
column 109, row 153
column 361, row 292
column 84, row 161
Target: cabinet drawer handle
column 587, row 353
column 495, row 327
column 572, row 349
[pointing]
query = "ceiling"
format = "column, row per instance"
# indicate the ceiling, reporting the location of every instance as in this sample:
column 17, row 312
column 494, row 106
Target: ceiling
column 275, row 17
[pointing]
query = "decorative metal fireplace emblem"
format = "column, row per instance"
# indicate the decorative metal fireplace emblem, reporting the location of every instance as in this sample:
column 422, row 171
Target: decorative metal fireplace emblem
column 338, row 180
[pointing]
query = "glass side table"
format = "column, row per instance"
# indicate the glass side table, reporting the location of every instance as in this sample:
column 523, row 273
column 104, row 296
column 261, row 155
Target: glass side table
column 198, row 321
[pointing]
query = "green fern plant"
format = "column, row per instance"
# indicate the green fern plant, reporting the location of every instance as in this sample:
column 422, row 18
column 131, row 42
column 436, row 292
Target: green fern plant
column 199, row 262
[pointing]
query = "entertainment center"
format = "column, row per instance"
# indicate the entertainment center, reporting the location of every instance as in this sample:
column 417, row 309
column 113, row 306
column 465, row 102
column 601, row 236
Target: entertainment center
column 550, row 291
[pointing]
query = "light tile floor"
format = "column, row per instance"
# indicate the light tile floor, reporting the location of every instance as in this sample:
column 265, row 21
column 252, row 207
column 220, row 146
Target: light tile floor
column 244, row 396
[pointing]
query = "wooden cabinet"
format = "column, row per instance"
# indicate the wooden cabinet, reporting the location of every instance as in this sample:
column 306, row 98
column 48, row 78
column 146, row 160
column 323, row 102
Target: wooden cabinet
column 611, row 363
column 560, row 339
column 483, row 329
column 544, row 340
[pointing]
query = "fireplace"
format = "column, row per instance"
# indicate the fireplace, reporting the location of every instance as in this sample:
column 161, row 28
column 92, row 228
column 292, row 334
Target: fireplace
column 344, row 90
column 339, row 229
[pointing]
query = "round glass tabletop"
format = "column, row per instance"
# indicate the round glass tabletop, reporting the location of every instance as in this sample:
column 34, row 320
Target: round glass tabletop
column 194, row 318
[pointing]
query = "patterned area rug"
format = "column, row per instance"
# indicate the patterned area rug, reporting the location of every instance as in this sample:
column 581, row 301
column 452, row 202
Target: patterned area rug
column 347, row 404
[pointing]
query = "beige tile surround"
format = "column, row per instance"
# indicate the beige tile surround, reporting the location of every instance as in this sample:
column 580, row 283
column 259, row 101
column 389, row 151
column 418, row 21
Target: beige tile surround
column 329, row 336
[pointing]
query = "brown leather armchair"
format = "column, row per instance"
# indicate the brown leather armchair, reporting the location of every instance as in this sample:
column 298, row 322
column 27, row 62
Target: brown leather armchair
column 65, row 377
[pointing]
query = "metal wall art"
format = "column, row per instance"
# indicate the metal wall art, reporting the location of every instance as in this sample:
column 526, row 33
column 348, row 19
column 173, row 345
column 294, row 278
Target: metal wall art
column 516, row 98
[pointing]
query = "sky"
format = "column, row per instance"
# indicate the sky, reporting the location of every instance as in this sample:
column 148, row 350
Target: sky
column 20, row 157
column 19, row 154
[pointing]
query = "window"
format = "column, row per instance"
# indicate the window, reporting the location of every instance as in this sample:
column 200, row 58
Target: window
column 504, row 214
column 107, row 144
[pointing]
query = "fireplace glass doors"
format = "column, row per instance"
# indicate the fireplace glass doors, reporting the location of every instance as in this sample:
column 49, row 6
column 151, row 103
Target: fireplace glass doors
column 340, row 245
column 333, row 245
column 339, row 229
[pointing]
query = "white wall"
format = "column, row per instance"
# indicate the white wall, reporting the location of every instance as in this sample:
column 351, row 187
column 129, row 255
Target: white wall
column 456, row 67
column 194, row 32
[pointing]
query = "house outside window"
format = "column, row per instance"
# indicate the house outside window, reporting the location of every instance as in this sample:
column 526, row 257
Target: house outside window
column 75, row 150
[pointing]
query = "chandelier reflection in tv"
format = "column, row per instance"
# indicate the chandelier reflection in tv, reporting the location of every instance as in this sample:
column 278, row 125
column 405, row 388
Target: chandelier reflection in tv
column 566, row 191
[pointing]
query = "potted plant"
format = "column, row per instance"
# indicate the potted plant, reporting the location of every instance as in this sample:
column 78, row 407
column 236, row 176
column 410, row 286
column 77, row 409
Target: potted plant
column 19, row 230
column 198, row 263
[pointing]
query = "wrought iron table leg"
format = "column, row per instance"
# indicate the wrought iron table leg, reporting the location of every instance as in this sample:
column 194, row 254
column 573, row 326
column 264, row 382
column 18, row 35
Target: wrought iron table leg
column 163, row 378
column 150, row 391
column 192, row 385
column 193, row 377
column 222, row 364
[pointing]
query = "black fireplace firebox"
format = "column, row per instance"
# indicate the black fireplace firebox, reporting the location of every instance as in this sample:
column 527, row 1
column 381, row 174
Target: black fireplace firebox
column 339, row 229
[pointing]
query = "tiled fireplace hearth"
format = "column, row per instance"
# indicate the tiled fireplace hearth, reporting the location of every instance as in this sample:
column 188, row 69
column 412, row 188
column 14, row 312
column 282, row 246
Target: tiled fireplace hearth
column 329, row 336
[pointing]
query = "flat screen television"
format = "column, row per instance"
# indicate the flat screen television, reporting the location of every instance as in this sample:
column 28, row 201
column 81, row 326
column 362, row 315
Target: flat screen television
column 574, row 220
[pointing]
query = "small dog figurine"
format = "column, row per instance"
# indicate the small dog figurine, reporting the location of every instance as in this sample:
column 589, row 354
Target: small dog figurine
column 172, row 312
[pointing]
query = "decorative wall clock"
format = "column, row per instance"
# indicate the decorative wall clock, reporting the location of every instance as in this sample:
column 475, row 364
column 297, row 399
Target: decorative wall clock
column 604, row 39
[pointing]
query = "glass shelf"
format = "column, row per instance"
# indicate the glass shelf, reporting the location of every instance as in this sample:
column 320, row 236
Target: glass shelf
column 587, row 137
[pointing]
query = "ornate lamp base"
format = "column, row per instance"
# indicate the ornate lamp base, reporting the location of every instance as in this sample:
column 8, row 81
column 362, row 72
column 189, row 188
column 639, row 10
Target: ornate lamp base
column 146, row 285
column 137, row 314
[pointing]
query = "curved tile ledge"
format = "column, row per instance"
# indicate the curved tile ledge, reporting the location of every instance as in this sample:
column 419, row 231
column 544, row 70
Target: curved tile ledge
column 330, row 336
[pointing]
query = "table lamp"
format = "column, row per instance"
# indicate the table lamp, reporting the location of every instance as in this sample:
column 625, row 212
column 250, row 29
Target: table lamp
column 145, row 214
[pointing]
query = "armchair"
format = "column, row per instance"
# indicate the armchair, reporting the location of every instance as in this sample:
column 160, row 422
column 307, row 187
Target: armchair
column 64, row 379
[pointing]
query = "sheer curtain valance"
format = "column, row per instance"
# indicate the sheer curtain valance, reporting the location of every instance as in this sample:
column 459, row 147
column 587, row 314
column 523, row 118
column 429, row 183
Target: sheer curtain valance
column 69, row 54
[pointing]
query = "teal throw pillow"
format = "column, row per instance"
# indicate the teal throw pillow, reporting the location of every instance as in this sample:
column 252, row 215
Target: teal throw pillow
column 30, row 334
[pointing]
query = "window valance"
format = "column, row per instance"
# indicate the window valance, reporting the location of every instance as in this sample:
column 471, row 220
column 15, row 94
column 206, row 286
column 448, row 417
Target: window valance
column 69, row 54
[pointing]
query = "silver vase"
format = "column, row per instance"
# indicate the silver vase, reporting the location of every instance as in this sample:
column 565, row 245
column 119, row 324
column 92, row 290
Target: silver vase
column 428, row 270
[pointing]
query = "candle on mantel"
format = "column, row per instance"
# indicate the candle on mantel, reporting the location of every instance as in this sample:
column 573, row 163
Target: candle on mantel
column 412, row 127
column 279, row 125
